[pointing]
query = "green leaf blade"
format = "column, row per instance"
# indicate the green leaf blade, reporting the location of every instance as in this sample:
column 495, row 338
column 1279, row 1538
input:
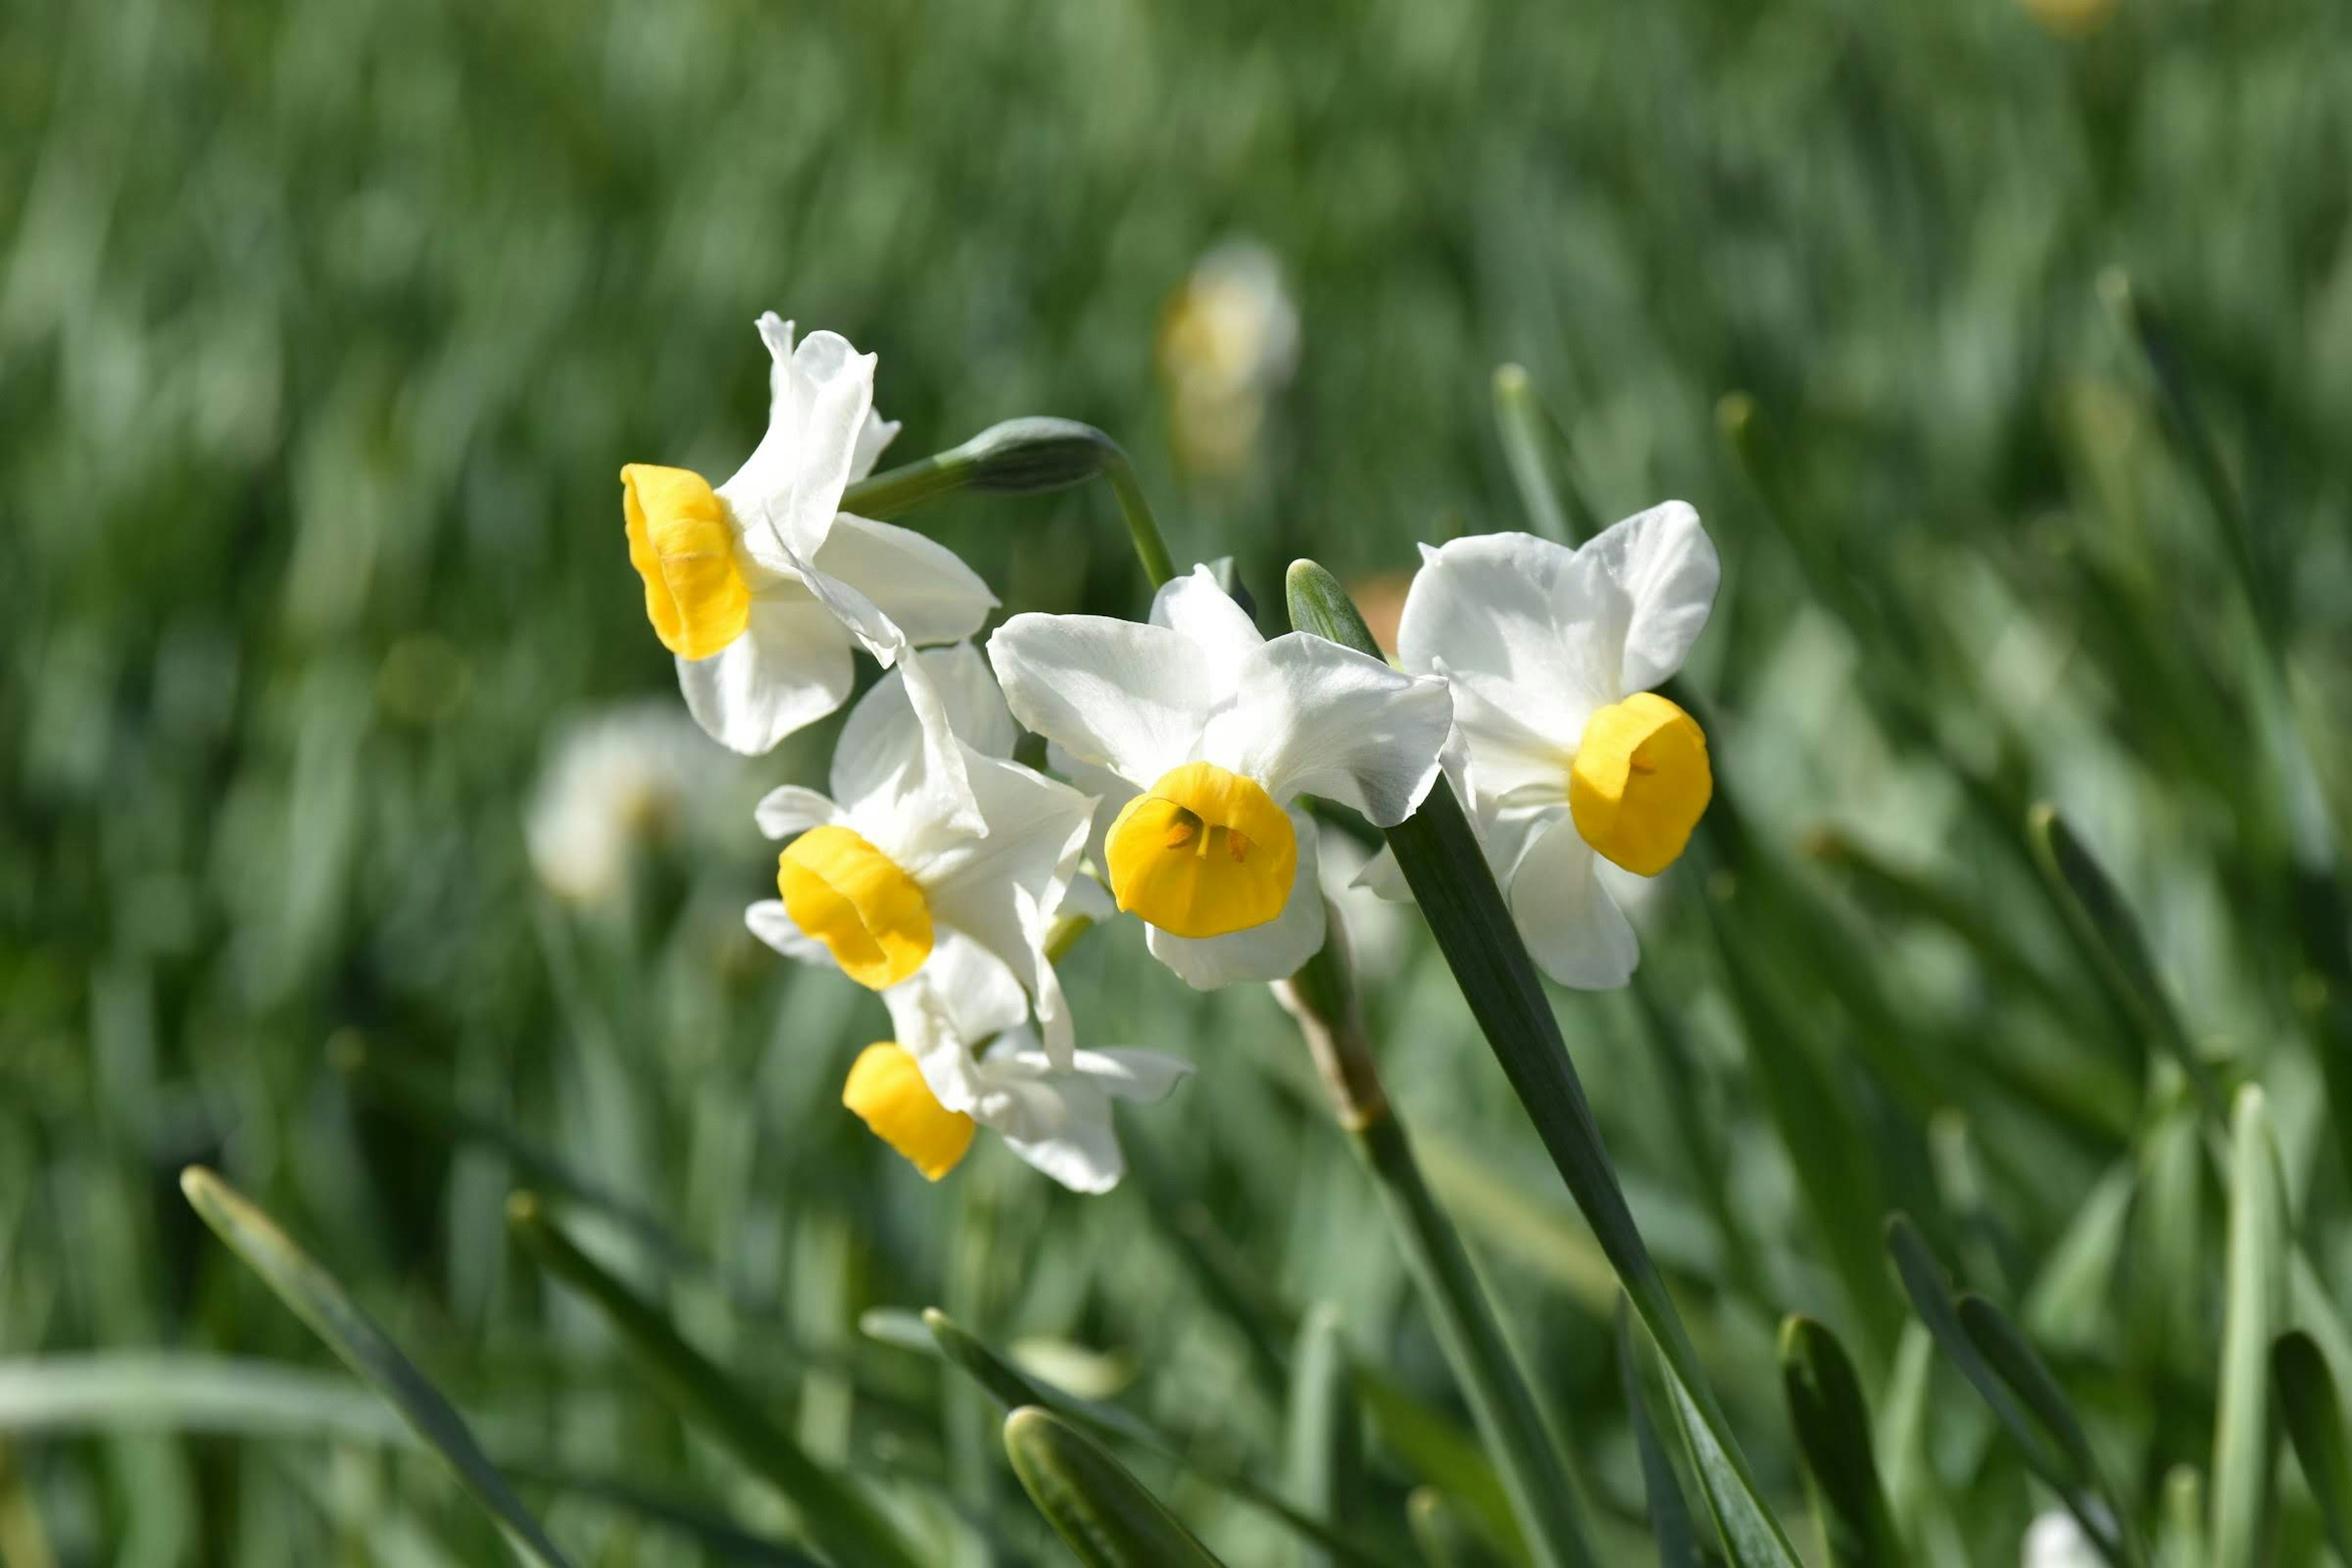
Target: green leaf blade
column 1097, row 1508
column 320, row 1302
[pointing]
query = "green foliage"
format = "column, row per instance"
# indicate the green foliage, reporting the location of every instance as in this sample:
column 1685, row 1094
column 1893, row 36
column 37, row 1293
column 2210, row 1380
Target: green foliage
column 2009, row 364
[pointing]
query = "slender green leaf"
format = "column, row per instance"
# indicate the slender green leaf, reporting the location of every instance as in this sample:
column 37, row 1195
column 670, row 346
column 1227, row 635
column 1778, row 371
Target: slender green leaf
column 401, row 1088
column 2313, row 1416
column 1670, row 1515
column 1842, row 1194
column 114, row 1391
column 2043, row 1452
column 1442, row 1532
column 2027, row 1375
column 724, row 1540
column 1325, row 1437
column 1833, row 1425
column 2244, row 1432
column 1439, row 854
column 840, row 1521
column 1528, row 431
column 1544, row 1496
column 1750, row 1537
column 2180, row 1533
column 320, row 1302
column 1443, row 1453
column 1012, row 1387
column 1099, row 1509
column 2103, row 923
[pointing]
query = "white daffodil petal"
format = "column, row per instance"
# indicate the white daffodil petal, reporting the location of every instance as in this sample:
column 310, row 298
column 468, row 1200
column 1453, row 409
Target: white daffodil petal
column 789, row 809
column 962, row 996
column 1664, row 563
column 1125, row 696
column 1125, row 1073
column 873, row 439
column 1310, row 717
column 769, row 922
column 787, row 492
column 883, row 737
column 1573, row 928
column 1490, row 607
column 1080, row 1147
column 1086, row 899
column 998, row 888
column 1196, row 608
column 1111, row 793
column 898, row 768
column 791, row 668
column 1506, row 759
column 1270, row 951
column 1384, row 878
column 924, row 587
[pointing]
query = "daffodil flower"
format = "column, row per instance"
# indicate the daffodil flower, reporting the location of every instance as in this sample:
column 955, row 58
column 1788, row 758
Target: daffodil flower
column 964, row 1059
column 760, row 586
column 1571, row 764
column 1205, row 733
column 878, row 875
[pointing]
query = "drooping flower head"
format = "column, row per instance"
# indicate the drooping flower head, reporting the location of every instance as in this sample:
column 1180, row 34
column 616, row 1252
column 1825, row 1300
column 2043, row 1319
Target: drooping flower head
column 1568, row 758
column 761, row 586
column 1204, row 733
column 876, row 877
column 963, row 1058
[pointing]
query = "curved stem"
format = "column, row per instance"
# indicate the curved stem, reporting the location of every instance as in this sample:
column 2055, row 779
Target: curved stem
column 1544, row 1499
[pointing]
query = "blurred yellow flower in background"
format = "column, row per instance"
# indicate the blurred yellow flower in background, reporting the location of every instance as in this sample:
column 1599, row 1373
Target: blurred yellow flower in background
column 1228, row 343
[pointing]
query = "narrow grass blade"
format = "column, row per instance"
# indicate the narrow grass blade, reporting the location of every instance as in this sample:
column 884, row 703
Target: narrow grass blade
column 1528, row 430
column 1441, row 861
column 2244, row 1432
column 401, row 1088
column 2027, row 1375
column 1325, row 1437
column 1442, row 1532
column 320, row 1302
column 2044, row 1454
column 2313, row 1415
column 1543, row 1494
column 1750, row 1537
column 1669, row 1516
column 1838, row 1181
column 1098, row 1509
column 1014, row 1388
column 2180, row 1533
column 839, row 1520
column 1442, row 1453
column 1833, row 1425
column 2105, row 926
column 724, row 1540
column 116, row 1391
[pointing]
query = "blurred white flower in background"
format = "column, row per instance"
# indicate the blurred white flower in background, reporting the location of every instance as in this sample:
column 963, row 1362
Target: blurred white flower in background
column 1228, row 342
column 2055, row 1541
column 615, row 779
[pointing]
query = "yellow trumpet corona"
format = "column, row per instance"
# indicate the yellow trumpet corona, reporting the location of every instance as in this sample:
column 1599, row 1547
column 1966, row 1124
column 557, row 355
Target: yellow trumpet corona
column 886, row 1090
column 1204, row 852
column 870, row 915
column 1639, row 782
column 682, row 545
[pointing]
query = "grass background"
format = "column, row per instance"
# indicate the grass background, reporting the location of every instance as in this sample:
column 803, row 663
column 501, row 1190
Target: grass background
column 324, row 329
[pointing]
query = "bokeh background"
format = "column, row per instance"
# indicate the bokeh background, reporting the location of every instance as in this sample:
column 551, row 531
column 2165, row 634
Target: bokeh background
column 349, row 842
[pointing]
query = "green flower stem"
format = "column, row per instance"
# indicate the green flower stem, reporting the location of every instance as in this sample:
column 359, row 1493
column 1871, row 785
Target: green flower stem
column 1445, row 865
column 1322, row 998
column 1021, row 457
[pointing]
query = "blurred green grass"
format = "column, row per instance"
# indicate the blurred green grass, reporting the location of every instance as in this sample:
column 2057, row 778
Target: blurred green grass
column 324, row 329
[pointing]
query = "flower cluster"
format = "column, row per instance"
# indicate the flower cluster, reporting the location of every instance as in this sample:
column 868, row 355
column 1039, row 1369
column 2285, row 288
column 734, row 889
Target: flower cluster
column 943, row 873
